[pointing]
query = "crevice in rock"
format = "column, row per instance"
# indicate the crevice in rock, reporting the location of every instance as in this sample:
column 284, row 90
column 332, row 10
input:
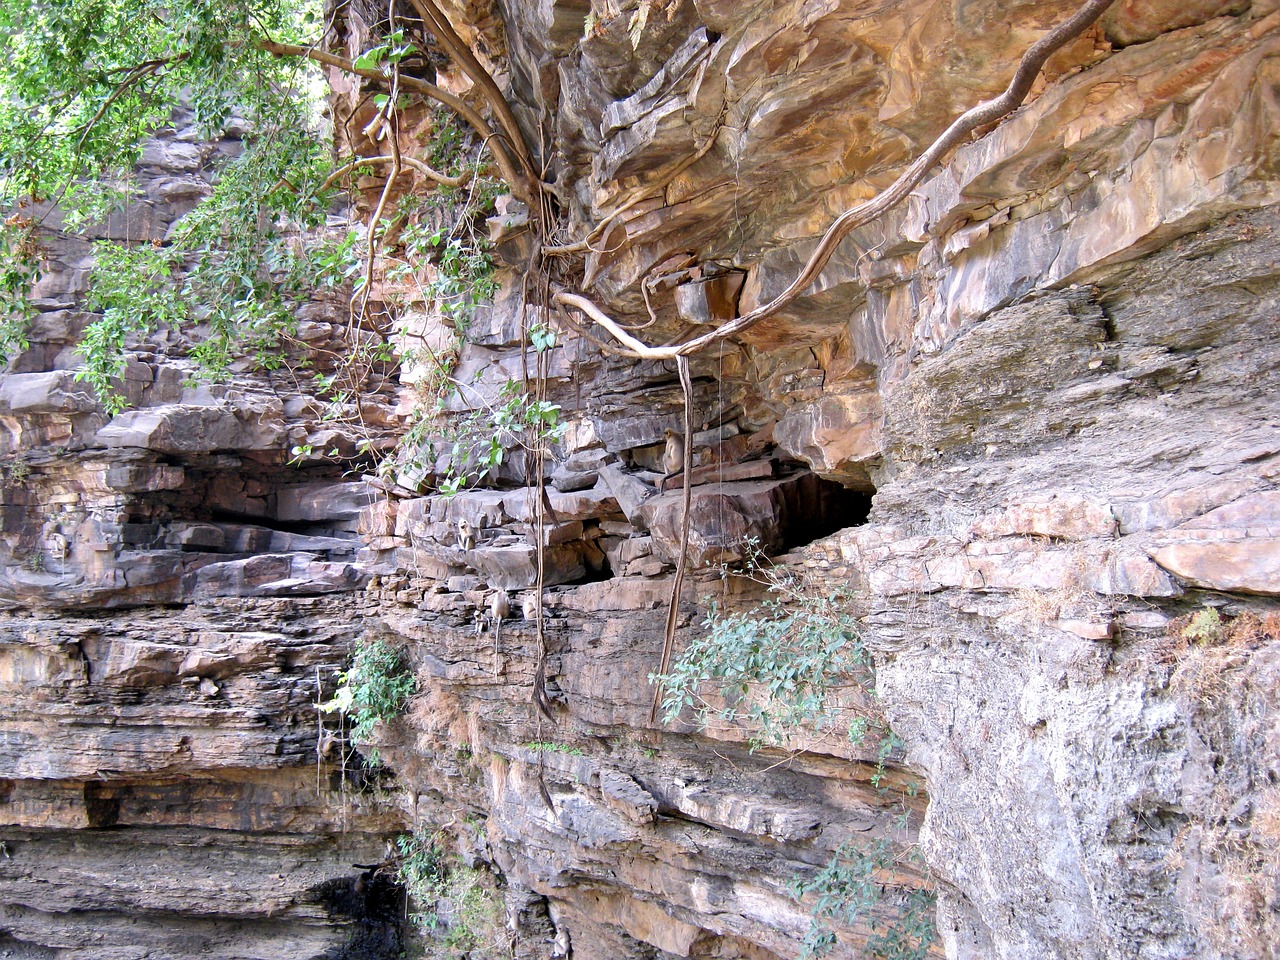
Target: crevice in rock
column 829, row 507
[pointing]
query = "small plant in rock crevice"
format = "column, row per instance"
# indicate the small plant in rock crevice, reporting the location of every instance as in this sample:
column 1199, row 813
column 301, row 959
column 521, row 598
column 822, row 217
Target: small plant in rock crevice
column 456, row 907
column 1203, row 627
column 15, row 472
column 540, row 746
column 375, row 688
column 774, row 668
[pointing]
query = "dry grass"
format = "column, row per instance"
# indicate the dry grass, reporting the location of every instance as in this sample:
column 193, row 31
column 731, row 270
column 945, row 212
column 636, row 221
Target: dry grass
column 1207, row 648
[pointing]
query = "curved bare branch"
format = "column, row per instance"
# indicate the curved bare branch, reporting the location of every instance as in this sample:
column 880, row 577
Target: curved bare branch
column 984, row 113
column 411, row 162
column 514, row 178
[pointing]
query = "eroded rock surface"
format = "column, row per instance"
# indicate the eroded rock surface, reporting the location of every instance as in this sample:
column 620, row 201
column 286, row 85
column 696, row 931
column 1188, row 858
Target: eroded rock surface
column 1047, row 383
column 174, row 601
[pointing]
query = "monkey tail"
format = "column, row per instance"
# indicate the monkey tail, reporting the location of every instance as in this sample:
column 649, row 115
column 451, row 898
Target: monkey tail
column 542, row 789
column 540, row 698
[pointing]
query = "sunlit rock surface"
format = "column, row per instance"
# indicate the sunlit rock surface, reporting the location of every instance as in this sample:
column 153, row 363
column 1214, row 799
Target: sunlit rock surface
column 1029, row 420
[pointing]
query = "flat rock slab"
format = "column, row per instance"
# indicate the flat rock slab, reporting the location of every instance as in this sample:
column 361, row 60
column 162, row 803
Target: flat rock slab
column 188, row 428
column 1235, row 547
column 515, row 567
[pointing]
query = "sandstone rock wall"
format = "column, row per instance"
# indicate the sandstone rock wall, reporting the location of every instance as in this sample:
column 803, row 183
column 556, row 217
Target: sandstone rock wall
column 175, row 598
column 1029, row 419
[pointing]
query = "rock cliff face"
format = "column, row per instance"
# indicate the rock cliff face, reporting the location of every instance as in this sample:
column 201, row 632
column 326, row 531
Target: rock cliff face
column 172, row 594
column 1028, row 420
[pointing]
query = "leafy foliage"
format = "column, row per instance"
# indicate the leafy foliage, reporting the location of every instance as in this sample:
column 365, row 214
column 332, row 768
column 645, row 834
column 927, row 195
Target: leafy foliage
column 136, row 298
column 89, row 81
column 446, row 228
column 19, row 269
column 374, row 688
column 475, row 444
column 772, row 667
column 86, row 82
column 421, row 870
column 847, row 890
column 450, row 902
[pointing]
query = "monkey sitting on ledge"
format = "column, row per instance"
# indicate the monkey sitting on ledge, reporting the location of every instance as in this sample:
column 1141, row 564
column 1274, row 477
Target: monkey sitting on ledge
column 672, row 457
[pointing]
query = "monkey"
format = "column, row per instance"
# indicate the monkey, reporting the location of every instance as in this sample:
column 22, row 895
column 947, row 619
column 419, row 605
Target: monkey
column 561, row 946
column 672, row 456
column 529, row 606
column 466, row 534
column 499, row 610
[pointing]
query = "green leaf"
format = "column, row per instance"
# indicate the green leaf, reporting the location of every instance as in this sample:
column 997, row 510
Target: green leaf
column 370, row 59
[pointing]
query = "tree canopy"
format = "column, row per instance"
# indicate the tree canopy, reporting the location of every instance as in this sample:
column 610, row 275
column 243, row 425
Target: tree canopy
column 85, row 84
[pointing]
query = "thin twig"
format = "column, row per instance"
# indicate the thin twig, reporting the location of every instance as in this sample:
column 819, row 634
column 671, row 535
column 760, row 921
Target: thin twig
column 412, row 162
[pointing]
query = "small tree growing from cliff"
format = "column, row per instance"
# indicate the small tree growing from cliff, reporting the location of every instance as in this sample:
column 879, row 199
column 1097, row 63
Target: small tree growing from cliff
column 373, row 690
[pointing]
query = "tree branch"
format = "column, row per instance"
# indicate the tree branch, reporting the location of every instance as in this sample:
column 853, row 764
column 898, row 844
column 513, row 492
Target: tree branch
column 514, row 178
column 464, row 58
column 412, row 162
column 984, row 113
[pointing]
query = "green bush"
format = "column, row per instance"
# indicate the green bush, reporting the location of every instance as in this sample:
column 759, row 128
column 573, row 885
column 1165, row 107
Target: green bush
column 454, row 905
column 849, row 887
column 774, row 666
column 375, row 688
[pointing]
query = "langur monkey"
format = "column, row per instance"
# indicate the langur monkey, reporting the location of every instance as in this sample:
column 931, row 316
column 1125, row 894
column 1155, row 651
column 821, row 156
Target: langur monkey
column 500, row 605
column 466, row 534
column 672, row 456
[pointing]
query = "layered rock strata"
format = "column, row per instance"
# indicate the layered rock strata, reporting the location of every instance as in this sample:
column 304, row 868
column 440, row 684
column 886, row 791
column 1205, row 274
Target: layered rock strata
column 1029, row 419
column 175, row 599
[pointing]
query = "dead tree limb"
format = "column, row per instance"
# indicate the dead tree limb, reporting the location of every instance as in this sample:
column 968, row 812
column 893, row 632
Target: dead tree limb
column 677, row 582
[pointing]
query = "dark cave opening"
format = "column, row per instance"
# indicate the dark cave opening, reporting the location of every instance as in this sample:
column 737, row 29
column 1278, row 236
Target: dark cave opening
column 101, row 804
column 375, row 902
column 820, row 508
